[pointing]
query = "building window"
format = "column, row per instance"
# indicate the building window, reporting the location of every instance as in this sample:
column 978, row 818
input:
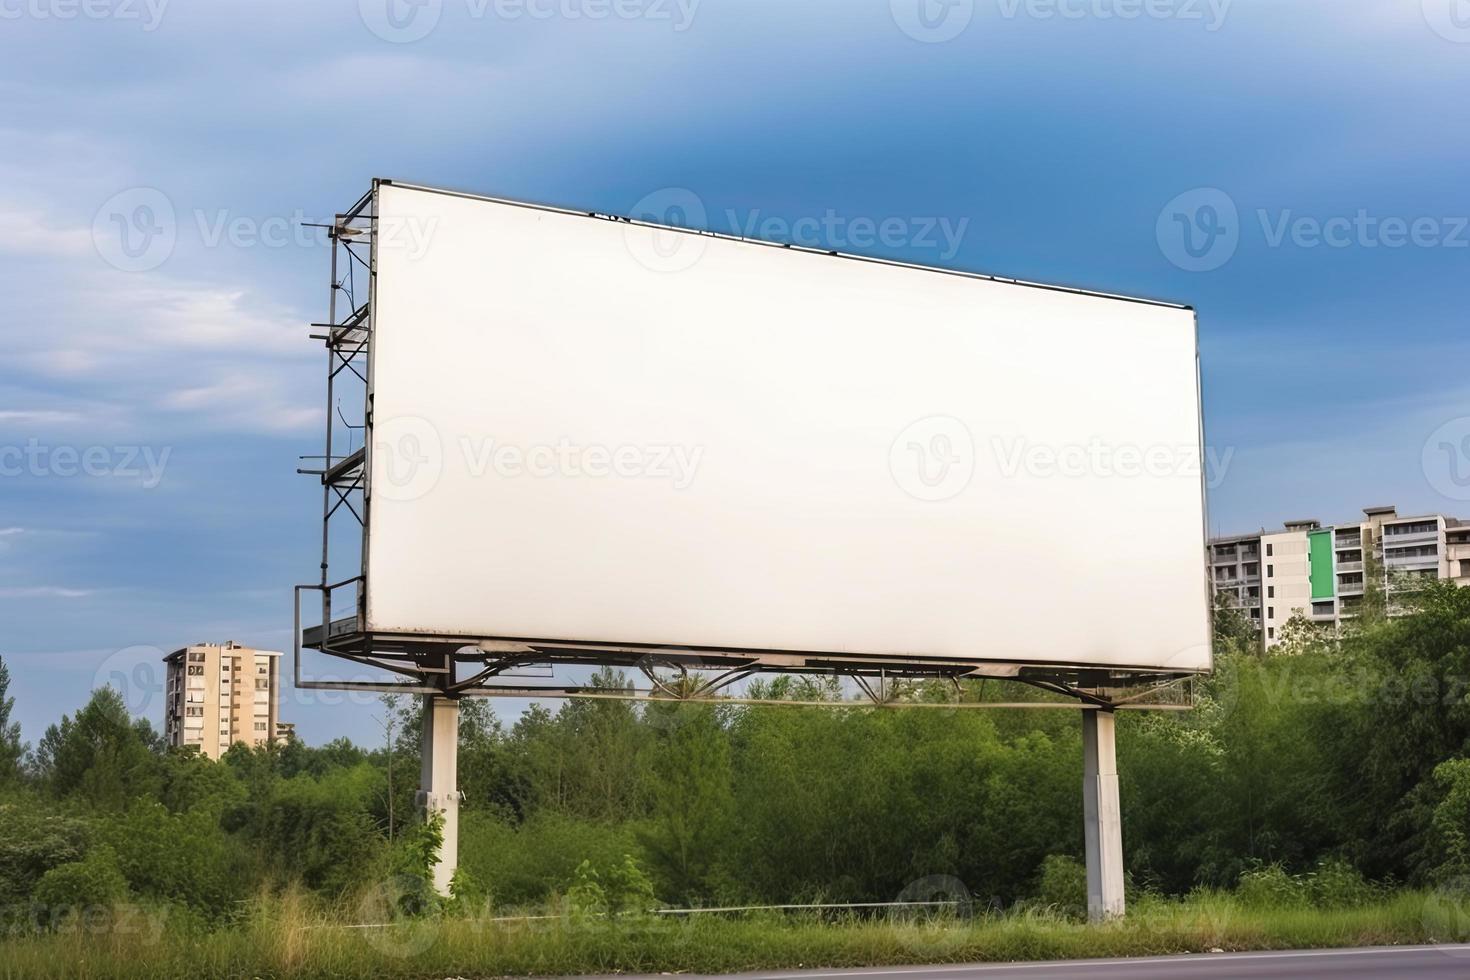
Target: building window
column 194, row 712
column 1270, row 632
column 196, row 671
column 260, row 726
column 1271, row 612
column 1270, row 571
column 196, row 657
column 1270, row 592
column 261, row 684
column 1270, row 549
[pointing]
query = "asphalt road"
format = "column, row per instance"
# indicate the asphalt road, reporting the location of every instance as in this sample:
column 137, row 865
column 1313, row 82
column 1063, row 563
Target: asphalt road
column 1414, row 962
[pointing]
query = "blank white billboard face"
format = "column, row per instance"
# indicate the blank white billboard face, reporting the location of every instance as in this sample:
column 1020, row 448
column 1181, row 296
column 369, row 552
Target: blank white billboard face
column 599, row 432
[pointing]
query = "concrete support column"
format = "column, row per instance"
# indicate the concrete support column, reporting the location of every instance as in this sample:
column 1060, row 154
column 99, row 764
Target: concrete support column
column 439, row 780
column 1102, row 816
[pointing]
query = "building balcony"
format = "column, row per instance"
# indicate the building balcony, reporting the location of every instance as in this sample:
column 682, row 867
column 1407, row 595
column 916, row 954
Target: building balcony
column 1350, row 566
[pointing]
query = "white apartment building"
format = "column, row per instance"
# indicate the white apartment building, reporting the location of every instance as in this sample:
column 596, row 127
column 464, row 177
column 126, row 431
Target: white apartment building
column 220, row 694
column 1319, row 571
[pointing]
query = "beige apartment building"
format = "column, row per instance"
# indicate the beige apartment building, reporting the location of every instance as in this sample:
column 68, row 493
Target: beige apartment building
column 1321, row 572
column 220, row 694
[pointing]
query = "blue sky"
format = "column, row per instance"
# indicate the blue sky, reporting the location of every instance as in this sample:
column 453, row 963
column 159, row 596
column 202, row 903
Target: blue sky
column 1073, row 141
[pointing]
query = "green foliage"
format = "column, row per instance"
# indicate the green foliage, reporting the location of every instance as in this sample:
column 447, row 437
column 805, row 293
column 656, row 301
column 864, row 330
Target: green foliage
column 1062, row 885
column 79, row 886
column 1450, row 822
column 12, row 749
column 1302, row 777
column 690, row 786
column 629, row 889
column 526, row 864
column 1335, row 884
column 100, row 756
column 586, row 895
column 32, row 842
column 1271, row 887
column 320, row 830
column 179, row 857
column 1234, row 632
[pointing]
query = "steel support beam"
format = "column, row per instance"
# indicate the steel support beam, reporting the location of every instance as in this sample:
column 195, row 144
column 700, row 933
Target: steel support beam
column 439, row 781
column 1102, row 815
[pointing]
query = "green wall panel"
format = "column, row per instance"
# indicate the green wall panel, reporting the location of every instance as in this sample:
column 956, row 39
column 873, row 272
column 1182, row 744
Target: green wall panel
column 1321, row 557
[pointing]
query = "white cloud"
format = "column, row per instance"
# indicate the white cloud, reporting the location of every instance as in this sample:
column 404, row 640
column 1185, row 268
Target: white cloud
column 38, row 417
column 43, row 592
column 29, row 233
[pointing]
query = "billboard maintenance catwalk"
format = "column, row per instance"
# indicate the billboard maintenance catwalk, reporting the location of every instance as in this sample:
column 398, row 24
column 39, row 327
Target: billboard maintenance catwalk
column 593, row 440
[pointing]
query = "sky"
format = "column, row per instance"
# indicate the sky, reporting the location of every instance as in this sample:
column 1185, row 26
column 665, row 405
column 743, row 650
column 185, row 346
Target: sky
column 1295, row 170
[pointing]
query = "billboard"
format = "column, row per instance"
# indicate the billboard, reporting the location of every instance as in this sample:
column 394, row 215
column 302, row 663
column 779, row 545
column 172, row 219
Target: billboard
column 599, row 432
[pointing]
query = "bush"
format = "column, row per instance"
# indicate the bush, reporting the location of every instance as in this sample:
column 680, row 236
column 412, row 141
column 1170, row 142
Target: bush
column 528, row 864
column 78, row 887
column 1062, row 885
column 1270, row 887
column 1335, row 884
column 184, row 858
column 33, row 842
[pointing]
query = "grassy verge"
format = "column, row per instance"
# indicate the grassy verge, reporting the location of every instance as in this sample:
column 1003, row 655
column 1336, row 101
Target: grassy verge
column 286, row 937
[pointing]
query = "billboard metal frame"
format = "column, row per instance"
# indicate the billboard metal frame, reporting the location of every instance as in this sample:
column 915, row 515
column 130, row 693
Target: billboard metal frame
column 429, row 664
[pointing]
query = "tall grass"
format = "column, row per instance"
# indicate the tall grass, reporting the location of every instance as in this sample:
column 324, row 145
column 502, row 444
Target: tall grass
column 290, row 934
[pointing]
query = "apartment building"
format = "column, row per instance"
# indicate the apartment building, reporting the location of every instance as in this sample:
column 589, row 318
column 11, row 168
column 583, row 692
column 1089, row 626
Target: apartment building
column 1321, row 572
column 220, row 694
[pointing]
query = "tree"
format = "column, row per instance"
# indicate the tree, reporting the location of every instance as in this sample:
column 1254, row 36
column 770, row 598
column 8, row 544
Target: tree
column 1233, row 631
column 12, row 750
column 100, row 755
column 692, row 798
